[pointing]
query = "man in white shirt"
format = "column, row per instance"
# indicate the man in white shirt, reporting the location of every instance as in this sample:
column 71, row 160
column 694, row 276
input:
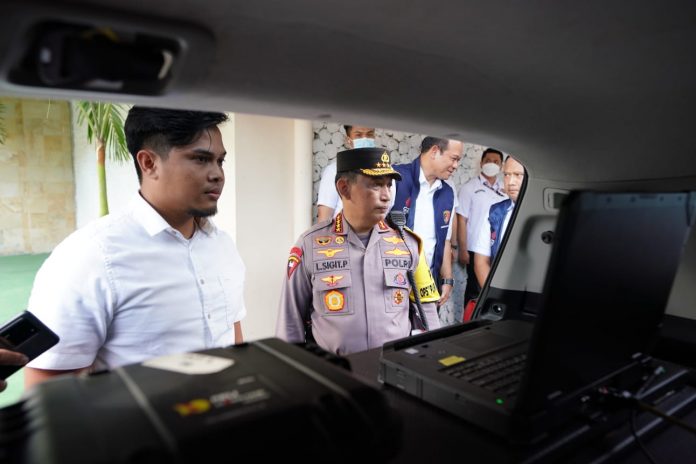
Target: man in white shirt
column 493, row 230
column 328, row 201
column 475, row 198
column 429, row 203
column 157, row 279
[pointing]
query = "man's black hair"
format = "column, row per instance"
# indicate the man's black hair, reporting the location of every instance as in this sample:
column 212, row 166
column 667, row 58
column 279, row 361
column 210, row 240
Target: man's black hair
column 347, row 129
column 429, row 142
column 160, row 129
column 493, row 150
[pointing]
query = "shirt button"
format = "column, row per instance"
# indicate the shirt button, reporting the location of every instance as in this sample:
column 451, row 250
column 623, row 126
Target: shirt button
column 202, row 281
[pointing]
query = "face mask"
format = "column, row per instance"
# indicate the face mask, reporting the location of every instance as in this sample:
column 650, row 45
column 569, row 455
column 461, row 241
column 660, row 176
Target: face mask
column 364, row 143
column 490, row 169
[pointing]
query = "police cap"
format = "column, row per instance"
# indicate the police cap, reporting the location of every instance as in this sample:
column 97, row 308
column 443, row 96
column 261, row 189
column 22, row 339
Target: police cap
column 372, row 162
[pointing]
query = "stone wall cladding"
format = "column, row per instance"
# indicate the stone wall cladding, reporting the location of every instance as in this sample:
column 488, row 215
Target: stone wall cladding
column 37, row 193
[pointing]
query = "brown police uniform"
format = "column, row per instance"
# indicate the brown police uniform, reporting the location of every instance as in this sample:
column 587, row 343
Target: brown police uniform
column 356, row 296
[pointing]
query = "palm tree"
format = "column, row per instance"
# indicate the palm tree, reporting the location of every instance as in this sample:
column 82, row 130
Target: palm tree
column 3, row 131
column 105, row 126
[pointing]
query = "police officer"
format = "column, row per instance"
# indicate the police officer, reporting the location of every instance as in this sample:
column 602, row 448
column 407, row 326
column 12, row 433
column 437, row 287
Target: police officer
column 347, row 278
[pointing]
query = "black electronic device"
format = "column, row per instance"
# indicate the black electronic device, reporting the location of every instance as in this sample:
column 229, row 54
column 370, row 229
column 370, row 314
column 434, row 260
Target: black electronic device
column 28, row 335
column 262, row 400
column 614, row 259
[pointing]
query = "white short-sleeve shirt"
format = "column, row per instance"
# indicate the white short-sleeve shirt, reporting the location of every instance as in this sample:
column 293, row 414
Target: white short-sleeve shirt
column 423, row 220
column 327, row 195
column 483, row 243
column 475, row 199
column 128, row 287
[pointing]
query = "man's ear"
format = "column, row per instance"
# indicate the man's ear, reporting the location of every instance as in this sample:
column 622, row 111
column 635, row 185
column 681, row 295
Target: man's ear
column 343, row 188
column 148, row 162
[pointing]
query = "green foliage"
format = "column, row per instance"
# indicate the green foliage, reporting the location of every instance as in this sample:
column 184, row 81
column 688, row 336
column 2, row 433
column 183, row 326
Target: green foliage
column 105, row 125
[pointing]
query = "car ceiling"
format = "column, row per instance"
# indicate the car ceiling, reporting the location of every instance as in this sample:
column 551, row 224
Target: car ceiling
column 579, row 91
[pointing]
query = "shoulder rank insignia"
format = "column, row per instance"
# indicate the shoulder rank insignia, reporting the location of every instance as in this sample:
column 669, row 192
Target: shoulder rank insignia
column 382, row 225
column 331, row 280
column 338, row 223
column 294, row 259
column 330, row 252
column 393, row 240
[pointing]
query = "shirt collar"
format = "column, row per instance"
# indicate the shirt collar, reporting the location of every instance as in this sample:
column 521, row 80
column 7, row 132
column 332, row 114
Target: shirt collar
column 153, row 223
column 497, row 186
column 424, row 182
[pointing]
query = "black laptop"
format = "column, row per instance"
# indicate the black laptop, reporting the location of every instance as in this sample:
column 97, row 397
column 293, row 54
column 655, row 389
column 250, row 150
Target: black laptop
column 610, row 273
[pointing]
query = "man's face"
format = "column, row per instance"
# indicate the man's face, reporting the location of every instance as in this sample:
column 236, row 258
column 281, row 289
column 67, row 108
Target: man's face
column 359, row 132
column 191, row 178
column 491, row 157
column 446, row 163
column 513, row 175
column 369, row 198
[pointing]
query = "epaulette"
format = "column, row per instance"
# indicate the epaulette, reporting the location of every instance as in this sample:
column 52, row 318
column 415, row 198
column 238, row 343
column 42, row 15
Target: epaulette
column 417, row 237
column 317, row 226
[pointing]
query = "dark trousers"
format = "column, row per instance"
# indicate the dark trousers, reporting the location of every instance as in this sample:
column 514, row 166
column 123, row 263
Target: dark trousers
column 472, row 286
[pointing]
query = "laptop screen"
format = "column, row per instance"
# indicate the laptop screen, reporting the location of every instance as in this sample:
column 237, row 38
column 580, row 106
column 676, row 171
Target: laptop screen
column 613, row 262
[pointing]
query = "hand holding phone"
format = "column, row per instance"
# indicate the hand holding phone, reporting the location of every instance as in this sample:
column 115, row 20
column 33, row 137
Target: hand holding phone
column 24, row 334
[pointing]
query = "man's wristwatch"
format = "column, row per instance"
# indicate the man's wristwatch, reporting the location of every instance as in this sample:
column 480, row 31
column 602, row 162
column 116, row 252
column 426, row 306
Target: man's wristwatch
column 447, row 282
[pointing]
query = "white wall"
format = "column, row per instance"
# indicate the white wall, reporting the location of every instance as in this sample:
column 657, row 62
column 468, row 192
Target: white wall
column 273, row 158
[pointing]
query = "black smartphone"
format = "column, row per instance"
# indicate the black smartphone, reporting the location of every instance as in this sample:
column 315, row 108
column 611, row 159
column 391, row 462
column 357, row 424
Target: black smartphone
column 27, row 334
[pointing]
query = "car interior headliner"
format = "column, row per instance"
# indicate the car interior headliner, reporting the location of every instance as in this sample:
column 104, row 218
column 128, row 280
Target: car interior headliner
column 580, row 92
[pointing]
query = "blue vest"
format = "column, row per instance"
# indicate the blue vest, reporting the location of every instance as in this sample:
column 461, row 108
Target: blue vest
column 407, row 190
column 496, row 217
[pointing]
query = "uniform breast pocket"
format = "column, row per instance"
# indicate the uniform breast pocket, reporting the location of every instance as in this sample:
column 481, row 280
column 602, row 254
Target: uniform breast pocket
column 332, row 294
column 396, row 297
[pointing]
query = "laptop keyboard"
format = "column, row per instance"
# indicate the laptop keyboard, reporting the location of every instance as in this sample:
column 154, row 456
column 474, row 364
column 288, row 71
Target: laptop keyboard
column 500, row 374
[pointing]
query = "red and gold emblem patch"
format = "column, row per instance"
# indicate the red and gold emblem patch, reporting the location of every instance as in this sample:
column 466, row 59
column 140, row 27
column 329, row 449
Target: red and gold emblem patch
column 294, row 259
column 334, row 300
column 398, row 296
column 446, row 216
